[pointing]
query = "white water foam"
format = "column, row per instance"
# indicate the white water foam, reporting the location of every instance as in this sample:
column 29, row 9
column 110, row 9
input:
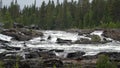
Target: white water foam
column 5, row 38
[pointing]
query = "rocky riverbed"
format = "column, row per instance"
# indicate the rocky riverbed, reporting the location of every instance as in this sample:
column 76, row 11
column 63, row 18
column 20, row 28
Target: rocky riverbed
column 48, row 48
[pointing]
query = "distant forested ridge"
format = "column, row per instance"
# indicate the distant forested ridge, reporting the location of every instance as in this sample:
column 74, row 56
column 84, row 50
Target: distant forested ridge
column 81, row 14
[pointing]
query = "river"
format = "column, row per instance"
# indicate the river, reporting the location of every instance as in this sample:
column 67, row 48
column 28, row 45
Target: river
column 90, row 49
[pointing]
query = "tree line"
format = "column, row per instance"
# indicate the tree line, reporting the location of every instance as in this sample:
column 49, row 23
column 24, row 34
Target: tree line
column 81, row 14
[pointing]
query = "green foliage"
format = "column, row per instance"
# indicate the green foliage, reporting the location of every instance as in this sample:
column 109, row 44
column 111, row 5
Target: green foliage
column 103, row 62
column 54, row 66
column 16, row 65
column 95, row 38
column 81, row 14
column 1, row 64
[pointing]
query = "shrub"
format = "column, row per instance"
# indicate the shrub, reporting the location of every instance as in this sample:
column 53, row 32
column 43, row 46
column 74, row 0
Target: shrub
column 1, row 64
column 103, row 62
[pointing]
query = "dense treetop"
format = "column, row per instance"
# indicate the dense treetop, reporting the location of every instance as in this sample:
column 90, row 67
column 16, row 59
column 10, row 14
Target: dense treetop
column 81, row 14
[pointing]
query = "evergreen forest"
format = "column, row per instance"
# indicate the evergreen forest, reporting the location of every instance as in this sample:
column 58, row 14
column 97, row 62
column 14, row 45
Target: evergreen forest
column 81, row 14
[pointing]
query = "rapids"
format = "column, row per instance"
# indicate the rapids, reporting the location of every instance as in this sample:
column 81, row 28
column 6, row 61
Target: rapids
column 90, row 49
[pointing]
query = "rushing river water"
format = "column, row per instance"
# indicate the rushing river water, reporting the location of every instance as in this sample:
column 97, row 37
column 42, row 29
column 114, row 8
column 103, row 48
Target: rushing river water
column 90, row 49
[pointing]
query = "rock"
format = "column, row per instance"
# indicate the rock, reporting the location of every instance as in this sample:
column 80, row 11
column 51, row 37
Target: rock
column 75, row 55
column 2, row 56
column 73, row 30
column 47, row 54
column 31, row 55
column 22, row 34
column 49, row 37
column 83, row 41
column 42, row 39
column 61, row 41
column 95, row 38
column 85, row 31
column 17, row 25
column 33, row 26
column 57, row 50
column 87, row 57
column 53, row 62
column 112, row 33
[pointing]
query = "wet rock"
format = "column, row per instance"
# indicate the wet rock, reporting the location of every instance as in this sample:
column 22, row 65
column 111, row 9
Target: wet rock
column 61, row 41
column 2, row 55
column 53, row 62
column 95, row 39
column 87, row 57
column 49, row 37
column 112, row 33
column 22, row 34
column 83, row 41
column 57, row 50
column 42, row 40
column 7, row 47
column 47, row 54
column 75, row 55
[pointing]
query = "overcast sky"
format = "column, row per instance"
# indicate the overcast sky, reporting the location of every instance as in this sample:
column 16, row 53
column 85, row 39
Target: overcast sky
column 22, row 3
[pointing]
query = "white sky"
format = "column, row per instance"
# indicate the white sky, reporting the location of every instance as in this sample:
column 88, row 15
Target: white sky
column 22, row 3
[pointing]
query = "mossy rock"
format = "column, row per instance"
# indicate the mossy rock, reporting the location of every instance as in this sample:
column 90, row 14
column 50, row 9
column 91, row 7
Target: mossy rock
column 95, row 38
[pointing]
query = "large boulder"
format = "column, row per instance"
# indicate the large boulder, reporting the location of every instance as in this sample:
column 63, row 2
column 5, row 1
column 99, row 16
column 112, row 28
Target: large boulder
column 22, row 34
column 112, row 33
column 57, row 50
column 61, row 41
column 95, row 39
column 47, row 54
column 75, row 55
